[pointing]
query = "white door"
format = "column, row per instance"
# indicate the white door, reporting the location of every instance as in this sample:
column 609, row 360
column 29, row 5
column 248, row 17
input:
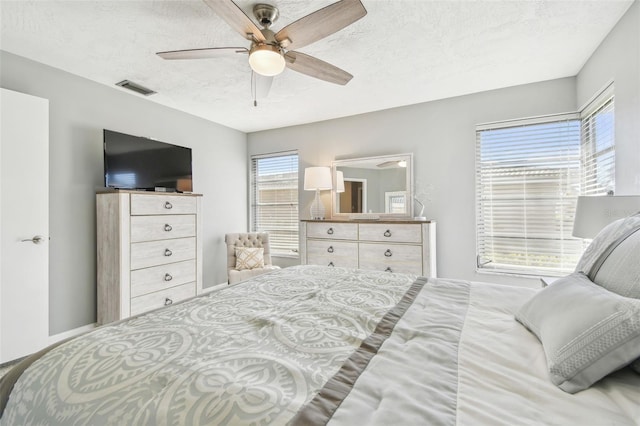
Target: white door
column 24, row 215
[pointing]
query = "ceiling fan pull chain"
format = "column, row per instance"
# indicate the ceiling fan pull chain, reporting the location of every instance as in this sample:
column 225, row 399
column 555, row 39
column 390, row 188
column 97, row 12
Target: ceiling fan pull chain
column 254, row 88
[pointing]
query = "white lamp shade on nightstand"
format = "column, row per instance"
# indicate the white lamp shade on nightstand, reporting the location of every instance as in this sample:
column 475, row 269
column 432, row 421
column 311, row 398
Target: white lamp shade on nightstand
column 317, row 179
column 594, row 213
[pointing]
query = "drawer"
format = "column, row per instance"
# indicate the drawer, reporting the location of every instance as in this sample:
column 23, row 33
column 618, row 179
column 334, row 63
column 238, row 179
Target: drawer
column 144, row 255
column 146, row 204
column 396, row 257
column 334, row 253
column 162, row 298
column 156, row 278
column 404, row 233
column 332, row 230
column 151, row 228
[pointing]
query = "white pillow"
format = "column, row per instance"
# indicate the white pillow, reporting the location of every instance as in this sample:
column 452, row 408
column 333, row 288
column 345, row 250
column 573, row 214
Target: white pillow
column 586, row 331
column 249, row 258
column 605, row 238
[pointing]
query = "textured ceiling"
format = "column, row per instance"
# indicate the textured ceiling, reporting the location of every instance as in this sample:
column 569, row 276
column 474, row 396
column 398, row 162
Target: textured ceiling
column 402, row 52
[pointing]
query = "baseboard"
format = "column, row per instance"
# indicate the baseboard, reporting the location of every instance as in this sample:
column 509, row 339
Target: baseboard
column 71, row 333
column 214, row 288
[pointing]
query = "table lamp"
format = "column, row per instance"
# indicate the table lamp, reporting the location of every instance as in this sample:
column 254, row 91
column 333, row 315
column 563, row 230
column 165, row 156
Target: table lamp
column 317, row 179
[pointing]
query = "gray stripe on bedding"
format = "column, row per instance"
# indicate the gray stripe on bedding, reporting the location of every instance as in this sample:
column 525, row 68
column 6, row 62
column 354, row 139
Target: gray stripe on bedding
column 413, row 379
column 320, row 409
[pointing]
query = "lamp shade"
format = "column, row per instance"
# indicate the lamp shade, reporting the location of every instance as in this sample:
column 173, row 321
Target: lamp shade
column 594, row 213
column 339, row 181
column 317, row 178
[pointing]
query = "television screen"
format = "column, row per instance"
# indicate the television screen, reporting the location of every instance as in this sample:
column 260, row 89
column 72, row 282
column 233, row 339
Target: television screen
column 132, row 162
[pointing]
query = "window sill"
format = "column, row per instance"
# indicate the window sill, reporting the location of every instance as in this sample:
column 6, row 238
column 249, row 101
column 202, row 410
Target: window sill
column 534, row 275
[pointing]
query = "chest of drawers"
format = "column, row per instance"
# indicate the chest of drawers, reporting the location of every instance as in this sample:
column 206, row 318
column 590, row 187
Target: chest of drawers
column 393, row 246
column 149, row 251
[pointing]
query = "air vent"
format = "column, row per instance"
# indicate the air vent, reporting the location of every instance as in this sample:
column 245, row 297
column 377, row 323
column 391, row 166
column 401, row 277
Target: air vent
column 135, row 87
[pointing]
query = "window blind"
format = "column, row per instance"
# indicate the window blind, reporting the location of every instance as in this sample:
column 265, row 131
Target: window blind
column 274, row 200
column 598, row 148
column 528, row 179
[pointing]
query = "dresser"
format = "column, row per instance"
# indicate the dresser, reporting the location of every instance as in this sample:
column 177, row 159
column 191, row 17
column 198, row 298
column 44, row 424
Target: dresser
column 392, row 246
column 149, row 251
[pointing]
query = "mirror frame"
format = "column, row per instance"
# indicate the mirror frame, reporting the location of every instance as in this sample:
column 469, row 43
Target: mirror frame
column 377, row 159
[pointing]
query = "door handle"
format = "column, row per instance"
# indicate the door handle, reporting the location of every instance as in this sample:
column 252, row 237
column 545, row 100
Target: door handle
column 37, row 239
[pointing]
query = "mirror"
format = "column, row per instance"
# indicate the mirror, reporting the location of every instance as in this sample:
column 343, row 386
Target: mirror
column 374, row 185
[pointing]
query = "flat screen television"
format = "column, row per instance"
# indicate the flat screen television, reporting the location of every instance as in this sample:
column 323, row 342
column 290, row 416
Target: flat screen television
column 133, row 162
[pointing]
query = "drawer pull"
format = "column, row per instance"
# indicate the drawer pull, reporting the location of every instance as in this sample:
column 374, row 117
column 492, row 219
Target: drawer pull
column 388, row 253
column 387, row 233
column 388, row 269
column 168, row 302
column 330, row 231
column 167, row 227
column 167, row 252
column 330, row 249
column 331, row 264
column 168, row 205
column 168, row 277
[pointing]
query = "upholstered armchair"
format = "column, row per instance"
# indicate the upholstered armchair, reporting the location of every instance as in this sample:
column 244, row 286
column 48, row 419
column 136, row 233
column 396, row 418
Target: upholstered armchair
column 248, row 255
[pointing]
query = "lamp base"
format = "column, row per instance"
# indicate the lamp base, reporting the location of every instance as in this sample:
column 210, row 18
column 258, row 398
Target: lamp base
column 317, row 208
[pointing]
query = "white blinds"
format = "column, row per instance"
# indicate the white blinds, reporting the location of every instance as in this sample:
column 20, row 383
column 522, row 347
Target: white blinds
column 274, row 200
column 528, row 179
column 598, row 148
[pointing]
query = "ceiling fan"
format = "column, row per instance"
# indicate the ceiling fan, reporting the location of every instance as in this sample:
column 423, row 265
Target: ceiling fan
column 269, row 52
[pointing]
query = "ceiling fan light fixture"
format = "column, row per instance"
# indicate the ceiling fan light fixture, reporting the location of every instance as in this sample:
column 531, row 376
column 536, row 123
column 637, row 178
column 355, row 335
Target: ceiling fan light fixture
column 266, row 59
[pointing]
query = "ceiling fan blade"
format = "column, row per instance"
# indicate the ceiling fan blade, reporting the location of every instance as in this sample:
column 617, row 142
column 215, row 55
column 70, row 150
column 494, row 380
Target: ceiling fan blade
column 320, row 23
column 236, row 18
column 212, row 52
column 316, row 68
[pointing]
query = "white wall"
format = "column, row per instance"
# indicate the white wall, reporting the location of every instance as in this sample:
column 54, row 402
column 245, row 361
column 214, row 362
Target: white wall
column 79, row 111
column 441, row 135
column 617, row 59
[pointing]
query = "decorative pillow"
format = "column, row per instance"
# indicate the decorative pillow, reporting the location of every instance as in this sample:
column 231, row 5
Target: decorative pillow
column 605, row 238
column 619, row 268
column 586, row 331
column 249, row 258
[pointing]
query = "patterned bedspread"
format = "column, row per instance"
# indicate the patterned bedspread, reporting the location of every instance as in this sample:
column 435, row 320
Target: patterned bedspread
column 312, row 345
column 254, row 353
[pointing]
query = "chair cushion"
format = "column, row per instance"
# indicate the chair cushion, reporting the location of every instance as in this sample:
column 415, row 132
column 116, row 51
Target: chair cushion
column 249, row 258
column 251, row 239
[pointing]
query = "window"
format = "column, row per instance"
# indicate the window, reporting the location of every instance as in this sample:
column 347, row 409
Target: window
column 528, row 176
column 274, row 200
column 598, row 145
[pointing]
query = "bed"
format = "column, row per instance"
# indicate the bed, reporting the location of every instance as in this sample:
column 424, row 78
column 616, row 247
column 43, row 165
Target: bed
column 309, row 345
